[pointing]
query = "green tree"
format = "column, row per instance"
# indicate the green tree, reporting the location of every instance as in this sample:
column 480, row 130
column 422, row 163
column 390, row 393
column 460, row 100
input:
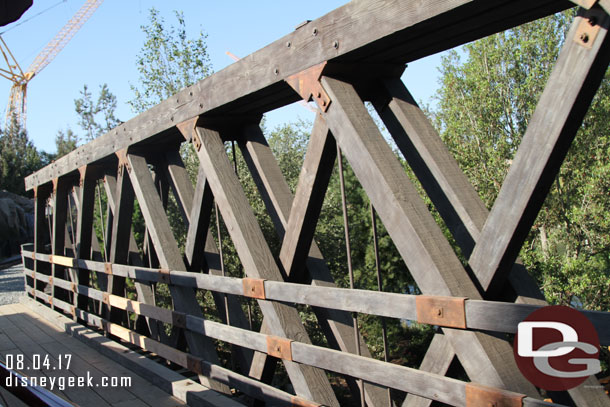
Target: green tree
column 96, row 117
column 18, row 158
column 484, row 106
column 65, row 142
column 168, row 61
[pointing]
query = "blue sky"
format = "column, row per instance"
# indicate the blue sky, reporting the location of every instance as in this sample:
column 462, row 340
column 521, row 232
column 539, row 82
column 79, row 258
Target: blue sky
column 105, row 49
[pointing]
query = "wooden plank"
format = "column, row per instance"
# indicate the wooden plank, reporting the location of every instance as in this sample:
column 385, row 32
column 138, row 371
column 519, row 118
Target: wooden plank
column 41, row 230
column 169, row 256
column 84, row 226
column 61, row 188
column 558, row 115
column 354, row 26
column 201, row 250
column 437, row 360
column 161, row 376
column 309, row 197
column 426, row 252
column 258, row 261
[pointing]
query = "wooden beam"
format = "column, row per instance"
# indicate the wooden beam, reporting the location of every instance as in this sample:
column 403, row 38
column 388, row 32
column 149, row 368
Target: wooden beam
column 201, row 250
column 319, row 160
column 309, row 197
column 429, row 257
column 143, row 289
column 84, row 225
column 162, row 237
column 558, row 116
column 61, row 189
column 360, row 30
column 258, row 262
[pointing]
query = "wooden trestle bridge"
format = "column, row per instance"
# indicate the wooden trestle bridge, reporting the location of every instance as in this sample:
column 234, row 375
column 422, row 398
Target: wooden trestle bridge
column 353, row 54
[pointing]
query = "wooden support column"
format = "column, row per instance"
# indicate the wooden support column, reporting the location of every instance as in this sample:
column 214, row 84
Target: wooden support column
column 295, row 221
column 143, row 289
column 258, row 262
column 84, row 226
column 61, row 189
column 201, row 251
column 41, row 231
column 163, row 240
column 426, row 252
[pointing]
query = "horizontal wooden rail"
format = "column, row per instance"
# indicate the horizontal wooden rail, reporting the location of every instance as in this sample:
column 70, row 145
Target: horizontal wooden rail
column 424, row 384
column 477, row 314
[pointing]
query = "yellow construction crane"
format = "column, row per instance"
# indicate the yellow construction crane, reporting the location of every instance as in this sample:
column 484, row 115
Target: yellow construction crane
column 17, row 99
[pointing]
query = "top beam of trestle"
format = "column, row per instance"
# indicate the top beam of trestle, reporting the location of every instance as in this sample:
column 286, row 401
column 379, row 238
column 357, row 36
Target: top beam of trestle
column 363, row 31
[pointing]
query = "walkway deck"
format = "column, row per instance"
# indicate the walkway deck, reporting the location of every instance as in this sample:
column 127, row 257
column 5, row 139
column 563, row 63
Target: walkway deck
column 25, row 332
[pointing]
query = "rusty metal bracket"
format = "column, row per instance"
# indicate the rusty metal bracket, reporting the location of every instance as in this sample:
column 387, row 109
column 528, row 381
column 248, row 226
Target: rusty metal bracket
column 50, row 280
column 73, row 311
column 73, row 287
column 588, row 28
column 165, row 276
column 55, row 181
column 297, row 401
column 307, row 85
column 83, row 172
column 108, row 268
column 187, row 128
column 254, row 288
column 193, row 364
column 196, row 141
column 279, row 347
column 179, row 319
column 106, row 298
column 123, row 161
column 480, row 395
column 36, row 192
column 442, row 311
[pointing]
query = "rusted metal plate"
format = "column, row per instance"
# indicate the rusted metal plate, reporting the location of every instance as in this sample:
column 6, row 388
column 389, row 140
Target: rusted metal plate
column 73, row 287
column 254, row 288
column 187, row 128
column 165, row 276
column 442, row 311
column 106, row 298
column 179, row 319
column 279, row 347
column 588, row 28
column 296, row 401
column 108, row 268
column 196, row 141
column 123, row 162
column 307, row 85
column 193, row 364
column 478, row 395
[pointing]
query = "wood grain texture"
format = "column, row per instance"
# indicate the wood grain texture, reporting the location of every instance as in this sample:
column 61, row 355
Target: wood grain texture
column 429, row 257
column 336, row 325
column 258, row 262
column 361, row 29
column 169, row 257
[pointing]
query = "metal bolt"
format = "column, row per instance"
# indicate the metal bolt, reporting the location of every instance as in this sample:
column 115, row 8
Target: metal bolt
column 584, row 37
column 172, row 118
column 592, row 20
column 336, row 44
column 315, row 32
column 318, row 95
column 439, row 312
column 252, row 289
column 201, row 105
column 278, row 348
column 276, row 71
column 288, row 44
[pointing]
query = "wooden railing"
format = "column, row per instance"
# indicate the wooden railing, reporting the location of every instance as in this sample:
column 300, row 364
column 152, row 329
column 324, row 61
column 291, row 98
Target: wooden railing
column 354, row 54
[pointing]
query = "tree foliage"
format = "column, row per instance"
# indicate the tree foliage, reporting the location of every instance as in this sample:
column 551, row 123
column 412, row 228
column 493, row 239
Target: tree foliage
column 484, row 106
column 18, row 158
column 168, row 61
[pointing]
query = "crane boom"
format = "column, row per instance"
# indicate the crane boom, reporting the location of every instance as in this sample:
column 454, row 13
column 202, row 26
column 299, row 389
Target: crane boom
column 17, row 99
column 64, row 35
